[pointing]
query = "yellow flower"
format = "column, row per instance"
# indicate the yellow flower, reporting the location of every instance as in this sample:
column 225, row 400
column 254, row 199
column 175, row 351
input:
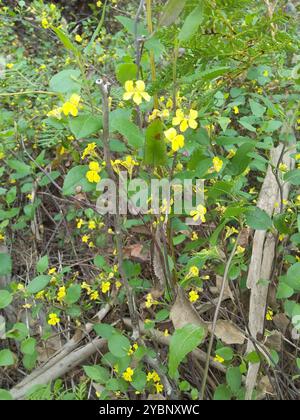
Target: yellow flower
column 86, row 287
column 94, row 295
column 166, row 333
column 89, row 150
column 231, row 154
column 218, row 164
column 72, row 106
column 219, row 359
column 78, row 38
column 185, row 121
column 230, row 231
column 55, row 113
column 127, row 375
column 40, row 295
column 177, row 140
column 2, row 155
column 9, row 65
column 133, row 349
column 52, row 271
column 27, row 306
column 99, row 3
column 150, row 301
column 118, row 284
column 53, row 319
column 269, row 315
column 2, row 237
column 236, row 110
column 240, row 250
column 80, row 223
column 45, row 23
column 199, row 214
column 159, row 387
column 283, row 167
column 193, row 296
column 193, row 272
column 136, row 91
column 92, row 225
column 61, row 294
column 266, row 73
column 105, row 287
column 129, row 163
column 93, row 174
column 85, row 239
column 195, row 236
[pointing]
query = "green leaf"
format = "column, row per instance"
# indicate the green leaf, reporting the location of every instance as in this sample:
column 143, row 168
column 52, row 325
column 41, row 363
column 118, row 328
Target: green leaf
column 284, row 291
column 293, row 177
column 171, row 12
column 42, row 264
column 6, row 358
column 119, row 345
column 65, row 39
column 38, row 284
column 224, row 122
column 28, row 346
column 183, row 341
column 126, row 71
column 20, row 167
column 129, row 25
column 85, row 125
column 257, row 109
column 66, row 81
column 5, row 395
column 258, row 219
column 192, row 23
column 234, row 379
column 155, row 147
column 104, row 330
column 271, row 126
column 76, row 178
column 120, row 120
column 293, row 277
column 97, row 373
column 73, row 294
column 29, row 360
column 5, row 299
column 246, row 123
column 19, row 332
column 222, row 393
column 139, row 380
column 5, row 265
column 226, row 353
column 241, row 160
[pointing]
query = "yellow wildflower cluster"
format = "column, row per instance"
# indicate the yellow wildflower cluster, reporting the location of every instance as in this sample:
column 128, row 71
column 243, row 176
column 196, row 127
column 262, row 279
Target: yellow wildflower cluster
column 53, row 319
column 150, row 301
column 127, row 375
column 199, row 214
column 136, row 92
column 61, row 294
column 133, row 349
column 105, row 287
column 70, row 107
column 93, row 174
column 219, row 359
column 129, row 163
column 176, row 140
column 218, row 164
column 156, row 113
column 193, row 272
column 193, row 296
column 90, row 150
column 269, row 315
column 154, row 376
column 185, row 121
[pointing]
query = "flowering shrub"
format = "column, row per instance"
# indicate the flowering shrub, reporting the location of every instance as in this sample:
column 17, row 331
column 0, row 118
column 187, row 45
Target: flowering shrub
column 177, row 90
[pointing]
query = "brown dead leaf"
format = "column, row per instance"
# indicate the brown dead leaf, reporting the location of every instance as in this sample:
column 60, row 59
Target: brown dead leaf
column 228, row 333
column 51, row 346
column 137, row 252
column 282, row 322
column 265, row 387
column 183, row 313
column 244, row 237
column 274, row 341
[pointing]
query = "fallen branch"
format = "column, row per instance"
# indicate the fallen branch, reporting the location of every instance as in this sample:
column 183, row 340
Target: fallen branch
column 262, row 260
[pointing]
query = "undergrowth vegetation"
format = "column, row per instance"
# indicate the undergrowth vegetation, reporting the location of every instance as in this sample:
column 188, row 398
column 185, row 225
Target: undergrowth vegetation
column 143, row 305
